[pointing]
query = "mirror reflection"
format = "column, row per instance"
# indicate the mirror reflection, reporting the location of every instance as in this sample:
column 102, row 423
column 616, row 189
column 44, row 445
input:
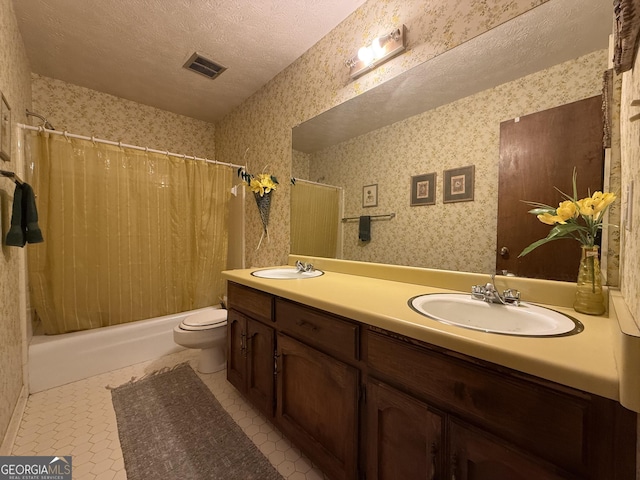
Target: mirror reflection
column 440, row 118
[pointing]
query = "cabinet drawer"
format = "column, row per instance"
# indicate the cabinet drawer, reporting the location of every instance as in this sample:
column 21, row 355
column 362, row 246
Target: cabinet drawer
column 256, row 304
column 550, row 424
column 318, row 329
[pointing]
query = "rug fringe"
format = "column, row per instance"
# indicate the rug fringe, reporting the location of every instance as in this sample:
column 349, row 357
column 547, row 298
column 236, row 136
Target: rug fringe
column 148, row 375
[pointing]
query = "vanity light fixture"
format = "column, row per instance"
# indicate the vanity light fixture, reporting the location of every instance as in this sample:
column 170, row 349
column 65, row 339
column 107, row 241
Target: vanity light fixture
column 381, row 49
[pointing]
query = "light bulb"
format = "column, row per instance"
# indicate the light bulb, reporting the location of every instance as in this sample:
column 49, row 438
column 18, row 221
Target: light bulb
column 378, row 47
column 365, row 54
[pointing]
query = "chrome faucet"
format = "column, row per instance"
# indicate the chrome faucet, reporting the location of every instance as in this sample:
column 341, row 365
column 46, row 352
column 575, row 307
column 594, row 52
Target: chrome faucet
column 304, row 267
column 490, row 294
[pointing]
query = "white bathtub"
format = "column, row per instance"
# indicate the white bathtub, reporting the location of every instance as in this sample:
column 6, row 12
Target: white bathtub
column 58, row 359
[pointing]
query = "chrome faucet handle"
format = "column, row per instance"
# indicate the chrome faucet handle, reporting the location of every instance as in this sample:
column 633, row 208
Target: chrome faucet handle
column 304, row 267
column 511, row 296
column 478, row 292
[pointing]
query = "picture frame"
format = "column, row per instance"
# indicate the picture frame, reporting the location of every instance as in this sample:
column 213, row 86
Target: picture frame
column 370, row 195
column 5, row 130
column 458, row 184
column 423, row 189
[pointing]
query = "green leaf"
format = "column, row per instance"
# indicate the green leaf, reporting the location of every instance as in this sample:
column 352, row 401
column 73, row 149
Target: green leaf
column 539, row 205
column 535, row 245
column 274, row 180
column 558, row 232
column 540, row 211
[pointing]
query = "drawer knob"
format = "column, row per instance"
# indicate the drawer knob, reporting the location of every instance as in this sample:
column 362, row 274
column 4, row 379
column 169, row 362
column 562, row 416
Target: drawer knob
column 305, row 324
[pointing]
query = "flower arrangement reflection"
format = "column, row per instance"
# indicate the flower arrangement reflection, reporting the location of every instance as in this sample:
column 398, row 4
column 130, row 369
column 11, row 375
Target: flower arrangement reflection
column 580, row 219
column 261, row 185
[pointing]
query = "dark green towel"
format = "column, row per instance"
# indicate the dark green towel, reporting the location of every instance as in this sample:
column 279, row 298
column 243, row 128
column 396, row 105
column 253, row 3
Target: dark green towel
column 364, row 228
column 16, row 237
column 24, row 218
column 30, row 221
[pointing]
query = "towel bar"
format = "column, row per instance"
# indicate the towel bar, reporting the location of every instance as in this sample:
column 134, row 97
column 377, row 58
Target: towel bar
column 12, row 176
column 389, row 215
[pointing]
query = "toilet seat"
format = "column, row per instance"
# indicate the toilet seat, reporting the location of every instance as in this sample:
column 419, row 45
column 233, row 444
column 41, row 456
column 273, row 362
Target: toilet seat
column 205, row 320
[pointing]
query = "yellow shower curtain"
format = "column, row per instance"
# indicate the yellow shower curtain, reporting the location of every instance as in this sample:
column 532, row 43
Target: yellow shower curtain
column 129, row 235
column 315, row 218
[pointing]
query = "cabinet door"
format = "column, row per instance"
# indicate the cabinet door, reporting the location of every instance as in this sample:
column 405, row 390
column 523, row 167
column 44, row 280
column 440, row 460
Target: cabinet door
column 404, row 436
column 477, row 456
column 317, row 406
column 236, row 358
column 260, row 349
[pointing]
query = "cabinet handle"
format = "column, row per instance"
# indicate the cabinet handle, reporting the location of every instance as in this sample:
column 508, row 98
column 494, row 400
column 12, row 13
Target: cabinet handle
column 275, row 364
column 303, row 323
column 434, row 452
column 454, row 466
column 243, row 344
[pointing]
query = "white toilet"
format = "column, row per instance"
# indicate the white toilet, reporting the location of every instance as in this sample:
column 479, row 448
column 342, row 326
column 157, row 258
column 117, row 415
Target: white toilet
column 206, row 330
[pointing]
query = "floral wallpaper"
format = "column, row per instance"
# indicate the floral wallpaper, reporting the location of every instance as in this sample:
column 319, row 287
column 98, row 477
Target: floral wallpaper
column 630, row 151
column 91, row 113
column 258, row 132
column 15, row 86
column 457, row 236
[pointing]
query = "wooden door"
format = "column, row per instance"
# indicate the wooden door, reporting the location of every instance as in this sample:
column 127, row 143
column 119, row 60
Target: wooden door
column 477, row 456
column 537, row 153
column 260, row 365
column 236, row 357
column 404, row 436
column 317, row 406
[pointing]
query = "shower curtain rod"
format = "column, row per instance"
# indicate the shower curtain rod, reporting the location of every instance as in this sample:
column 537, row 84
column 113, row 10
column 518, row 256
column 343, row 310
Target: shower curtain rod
column 315, row 183
column 126, row 145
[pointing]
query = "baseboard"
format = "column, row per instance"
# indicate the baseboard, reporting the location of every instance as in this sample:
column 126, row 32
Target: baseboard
column 14, row 423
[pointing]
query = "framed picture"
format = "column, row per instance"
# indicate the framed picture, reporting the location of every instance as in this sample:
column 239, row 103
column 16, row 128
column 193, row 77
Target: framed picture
column 423, row 189
column 5, row 130
column 370, row 195
column 458, row 184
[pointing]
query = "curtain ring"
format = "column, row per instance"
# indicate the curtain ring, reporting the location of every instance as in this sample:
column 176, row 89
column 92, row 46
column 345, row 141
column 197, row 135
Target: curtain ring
column 40, row 129
column 146, row 149
column 120, row 143
column 65, row 135
column 93, row 140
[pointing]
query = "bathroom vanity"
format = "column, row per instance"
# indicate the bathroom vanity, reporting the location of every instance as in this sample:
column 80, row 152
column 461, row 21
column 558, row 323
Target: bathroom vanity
column 367, row 388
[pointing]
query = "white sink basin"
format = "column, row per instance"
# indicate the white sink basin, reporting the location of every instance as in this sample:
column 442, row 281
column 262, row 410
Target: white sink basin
column 525, row 320
column 285, row 273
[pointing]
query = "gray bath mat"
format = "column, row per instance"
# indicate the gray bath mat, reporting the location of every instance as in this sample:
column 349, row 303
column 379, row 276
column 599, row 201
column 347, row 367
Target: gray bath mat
column 172, row 427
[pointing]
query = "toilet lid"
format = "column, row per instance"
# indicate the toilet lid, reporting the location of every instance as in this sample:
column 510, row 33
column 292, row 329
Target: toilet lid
column 205, row 319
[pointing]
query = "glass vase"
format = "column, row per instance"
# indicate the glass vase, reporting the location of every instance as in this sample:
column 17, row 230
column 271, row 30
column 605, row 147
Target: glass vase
column 589, row 297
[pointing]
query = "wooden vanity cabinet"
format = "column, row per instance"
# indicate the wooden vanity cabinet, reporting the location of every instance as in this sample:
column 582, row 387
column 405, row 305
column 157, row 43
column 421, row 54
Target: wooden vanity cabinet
column 317, row 406
column 497, row 423
column 251, row 346
column 404, row 437
column 475, row 455
column 365, row 403
column 318, row 385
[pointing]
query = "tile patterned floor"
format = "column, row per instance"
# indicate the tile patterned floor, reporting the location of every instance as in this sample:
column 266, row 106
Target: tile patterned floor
column 78, row 419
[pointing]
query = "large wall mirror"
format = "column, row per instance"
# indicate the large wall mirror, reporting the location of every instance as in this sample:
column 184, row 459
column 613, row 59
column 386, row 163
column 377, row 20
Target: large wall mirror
column 438, row 118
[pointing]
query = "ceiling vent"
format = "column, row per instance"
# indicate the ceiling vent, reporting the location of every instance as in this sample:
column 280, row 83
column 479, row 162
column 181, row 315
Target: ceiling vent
column 204, row 66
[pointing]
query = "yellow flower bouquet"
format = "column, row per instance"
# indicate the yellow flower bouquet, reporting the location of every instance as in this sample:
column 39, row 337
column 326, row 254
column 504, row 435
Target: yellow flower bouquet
column 261, row 185
column 578, row 219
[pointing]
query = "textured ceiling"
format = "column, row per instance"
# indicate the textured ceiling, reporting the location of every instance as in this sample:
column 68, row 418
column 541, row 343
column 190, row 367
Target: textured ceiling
column 135, row 49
